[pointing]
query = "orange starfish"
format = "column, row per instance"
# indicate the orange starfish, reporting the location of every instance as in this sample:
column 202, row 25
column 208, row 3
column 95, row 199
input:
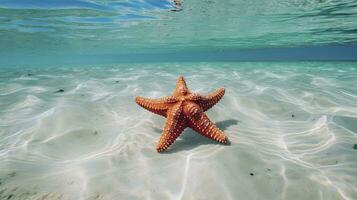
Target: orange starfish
column 184, row 109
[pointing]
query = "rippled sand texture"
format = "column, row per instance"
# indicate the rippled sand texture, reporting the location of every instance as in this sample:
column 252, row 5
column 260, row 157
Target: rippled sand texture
column 292, row 127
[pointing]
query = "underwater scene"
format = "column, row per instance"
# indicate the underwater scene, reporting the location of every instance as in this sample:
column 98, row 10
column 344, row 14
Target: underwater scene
column 178, row 99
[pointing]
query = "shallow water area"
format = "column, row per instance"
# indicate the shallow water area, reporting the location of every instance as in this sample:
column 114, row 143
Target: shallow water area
column 52, row 32
column 76, row 132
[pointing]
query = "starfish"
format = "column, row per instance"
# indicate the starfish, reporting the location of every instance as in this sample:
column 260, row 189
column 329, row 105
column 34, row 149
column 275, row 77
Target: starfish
column 184, row 109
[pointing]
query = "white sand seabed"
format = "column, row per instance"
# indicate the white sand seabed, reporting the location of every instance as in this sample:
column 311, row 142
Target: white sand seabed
column 292, row 128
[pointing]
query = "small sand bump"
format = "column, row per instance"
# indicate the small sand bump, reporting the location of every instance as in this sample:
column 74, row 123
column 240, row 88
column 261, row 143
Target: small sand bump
column 12, row 174
column 59, row 91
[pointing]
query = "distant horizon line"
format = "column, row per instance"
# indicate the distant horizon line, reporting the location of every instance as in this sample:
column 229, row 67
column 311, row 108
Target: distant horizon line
column 318, row 53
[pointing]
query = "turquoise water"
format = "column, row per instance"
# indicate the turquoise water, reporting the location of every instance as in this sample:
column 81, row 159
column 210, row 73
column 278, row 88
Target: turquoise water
column 70, row 70
column 63, row 31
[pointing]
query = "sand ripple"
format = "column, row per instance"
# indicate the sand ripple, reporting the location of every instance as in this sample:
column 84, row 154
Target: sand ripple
column 292, row 128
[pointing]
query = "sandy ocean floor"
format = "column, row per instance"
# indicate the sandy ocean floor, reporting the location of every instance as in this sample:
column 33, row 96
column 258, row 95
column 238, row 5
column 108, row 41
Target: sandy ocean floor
column 76, row 133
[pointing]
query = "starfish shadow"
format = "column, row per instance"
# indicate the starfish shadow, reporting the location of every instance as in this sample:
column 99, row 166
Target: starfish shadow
column 189, row 139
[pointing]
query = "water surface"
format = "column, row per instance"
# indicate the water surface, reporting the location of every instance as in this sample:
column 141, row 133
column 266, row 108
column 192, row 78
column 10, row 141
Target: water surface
column 62, row 30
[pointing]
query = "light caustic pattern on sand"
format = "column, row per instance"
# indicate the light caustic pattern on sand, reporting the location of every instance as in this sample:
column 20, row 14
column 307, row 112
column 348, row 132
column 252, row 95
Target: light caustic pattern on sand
column 292, row 128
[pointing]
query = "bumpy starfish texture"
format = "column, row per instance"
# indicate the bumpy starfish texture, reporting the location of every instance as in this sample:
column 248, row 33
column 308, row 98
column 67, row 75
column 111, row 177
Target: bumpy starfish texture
column 184, row 109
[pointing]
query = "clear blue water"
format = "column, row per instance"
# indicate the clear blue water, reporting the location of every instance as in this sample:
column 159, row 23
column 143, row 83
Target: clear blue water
column 70, row 129
column 64, row 31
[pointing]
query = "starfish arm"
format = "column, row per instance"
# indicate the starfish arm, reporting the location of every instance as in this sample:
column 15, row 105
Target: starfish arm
column 208, row 101
column 174, row 126
column 181, row 87
column 203, row 125
column 157, row 106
